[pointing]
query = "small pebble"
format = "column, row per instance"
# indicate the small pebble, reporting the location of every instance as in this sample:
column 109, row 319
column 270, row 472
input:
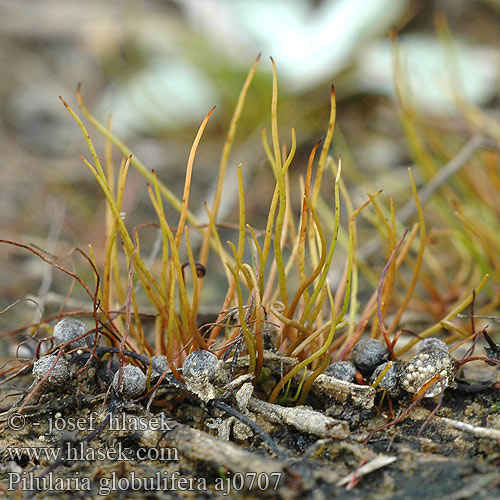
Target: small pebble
column 391, row 380
column 342, row 370
column 202, row 365
column 71, row 328
column 133, row 382
column 59, row 375
column 367, row 354
column 431, row 344
column 419, row 369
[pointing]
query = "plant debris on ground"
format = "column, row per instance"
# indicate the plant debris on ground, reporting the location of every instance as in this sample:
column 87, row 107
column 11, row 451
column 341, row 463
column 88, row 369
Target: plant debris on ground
column 303, row 382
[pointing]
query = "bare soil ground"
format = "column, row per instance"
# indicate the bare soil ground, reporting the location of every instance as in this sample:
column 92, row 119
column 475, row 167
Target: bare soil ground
column 179, row 454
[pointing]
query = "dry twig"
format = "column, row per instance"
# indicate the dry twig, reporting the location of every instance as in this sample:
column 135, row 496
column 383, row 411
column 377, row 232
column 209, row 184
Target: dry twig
column 483, row 432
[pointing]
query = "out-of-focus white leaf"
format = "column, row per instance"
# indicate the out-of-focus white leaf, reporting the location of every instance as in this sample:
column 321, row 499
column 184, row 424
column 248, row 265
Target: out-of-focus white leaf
column 169, row 93
column 424, row 60
column 309, row 44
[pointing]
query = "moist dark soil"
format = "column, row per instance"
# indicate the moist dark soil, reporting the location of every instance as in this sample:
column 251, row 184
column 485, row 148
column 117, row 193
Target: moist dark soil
column 173, row 449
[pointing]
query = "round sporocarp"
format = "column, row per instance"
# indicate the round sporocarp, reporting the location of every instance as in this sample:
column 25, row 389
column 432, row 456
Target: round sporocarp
column 70, row 328
column 367, row 354
column 201, row 364
column 133, row 382
column 59, row 372
column 422, row 367
column 160, row 362
column 342, row 370
column 391, row 381
column 431, row 344
column 200, row 369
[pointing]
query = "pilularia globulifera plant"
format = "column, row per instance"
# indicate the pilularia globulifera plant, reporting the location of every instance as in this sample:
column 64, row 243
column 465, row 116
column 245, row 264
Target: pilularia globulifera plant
column 279, row 300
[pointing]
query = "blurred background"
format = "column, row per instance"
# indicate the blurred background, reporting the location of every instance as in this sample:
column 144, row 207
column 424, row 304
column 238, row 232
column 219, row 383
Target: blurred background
column 159, row 66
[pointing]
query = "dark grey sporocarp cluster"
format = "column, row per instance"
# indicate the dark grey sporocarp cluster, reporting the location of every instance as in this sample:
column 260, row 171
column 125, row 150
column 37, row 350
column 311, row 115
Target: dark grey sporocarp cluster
column 370, row 357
